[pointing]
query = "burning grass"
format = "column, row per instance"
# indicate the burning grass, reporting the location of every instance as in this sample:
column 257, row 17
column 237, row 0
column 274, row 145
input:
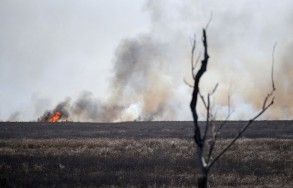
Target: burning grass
column 106, row 162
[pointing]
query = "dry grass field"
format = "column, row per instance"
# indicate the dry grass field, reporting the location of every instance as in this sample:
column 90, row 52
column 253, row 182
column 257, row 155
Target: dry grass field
column 158, row 154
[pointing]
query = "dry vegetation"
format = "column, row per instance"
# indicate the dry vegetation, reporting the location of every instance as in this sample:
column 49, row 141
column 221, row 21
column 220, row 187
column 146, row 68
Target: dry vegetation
column 109, row 162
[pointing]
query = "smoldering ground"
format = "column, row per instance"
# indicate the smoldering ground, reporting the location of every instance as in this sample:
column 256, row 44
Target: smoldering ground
column 148, row 69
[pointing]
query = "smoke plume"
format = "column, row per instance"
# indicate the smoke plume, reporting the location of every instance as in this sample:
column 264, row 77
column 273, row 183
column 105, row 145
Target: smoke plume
column 148, row 69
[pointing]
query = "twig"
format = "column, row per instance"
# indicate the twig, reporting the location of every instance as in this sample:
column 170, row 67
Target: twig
column 192, row 56
column 202, row 99
column 208, row 112
column 273, row 62
column 210, row 20
column 207, row 120
column 214, row 90
column 188, row 84
column 228, row 114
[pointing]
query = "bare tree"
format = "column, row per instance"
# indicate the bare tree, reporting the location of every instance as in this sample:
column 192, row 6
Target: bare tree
column 205, row 156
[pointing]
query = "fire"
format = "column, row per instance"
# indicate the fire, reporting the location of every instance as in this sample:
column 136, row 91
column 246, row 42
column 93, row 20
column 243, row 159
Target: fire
column 56, row 117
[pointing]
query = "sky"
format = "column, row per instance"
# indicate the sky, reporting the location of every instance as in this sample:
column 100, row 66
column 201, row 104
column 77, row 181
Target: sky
column 107, row 60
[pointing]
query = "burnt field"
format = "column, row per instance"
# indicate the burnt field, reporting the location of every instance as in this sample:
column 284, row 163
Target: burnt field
column 137, row 130
column 140, row 154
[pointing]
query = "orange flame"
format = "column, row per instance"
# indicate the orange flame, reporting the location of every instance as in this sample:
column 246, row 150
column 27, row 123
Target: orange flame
column 56, row 117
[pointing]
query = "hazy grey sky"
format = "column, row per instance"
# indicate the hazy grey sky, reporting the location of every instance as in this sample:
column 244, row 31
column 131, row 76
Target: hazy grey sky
column 53, row 49
column 57, row 48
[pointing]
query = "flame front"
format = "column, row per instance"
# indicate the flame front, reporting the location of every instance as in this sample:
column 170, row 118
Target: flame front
column 56, row 117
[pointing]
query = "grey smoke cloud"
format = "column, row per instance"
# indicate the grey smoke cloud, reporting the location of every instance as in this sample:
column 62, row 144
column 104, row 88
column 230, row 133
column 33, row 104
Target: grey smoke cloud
column 146, row 78
column 139, row 74
column 53, row 49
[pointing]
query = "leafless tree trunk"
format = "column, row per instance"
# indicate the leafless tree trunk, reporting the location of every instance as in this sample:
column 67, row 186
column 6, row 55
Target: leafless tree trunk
column 200, row 138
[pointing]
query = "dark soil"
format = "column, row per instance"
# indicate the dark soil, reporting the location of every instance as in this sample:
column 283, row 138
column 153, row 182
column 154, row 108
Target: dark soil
column 138, row 130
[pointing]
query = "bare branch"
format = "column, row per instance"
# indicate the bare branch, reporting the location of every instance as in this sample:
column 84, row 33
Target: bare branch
column 230, row 112
column 224, row 122
column 272, row 78
column 202, row 99
column 267, row 98
column 197, row 59
column 273, row 62
column 192, row 56
column 210, row 20
column 214, row 90
column 188, row 84
column 239, row 134
column 213, row 143
column 193, row 103
column 207, row 120
column 208, row 106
